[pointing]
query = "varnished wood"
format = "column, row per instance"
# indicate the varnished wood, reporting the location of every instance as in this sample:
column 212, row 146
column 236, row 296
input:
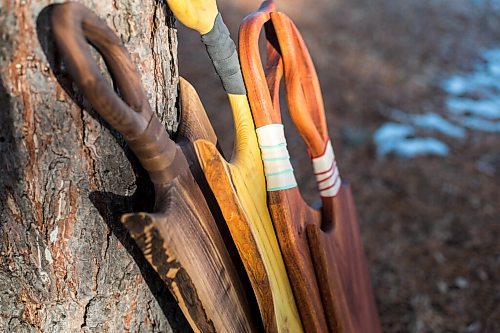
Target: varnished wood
column 290, row 214
column 194, row 122
column 180, row 239
column 239, row 188
column 341, row 267
column 336, row 245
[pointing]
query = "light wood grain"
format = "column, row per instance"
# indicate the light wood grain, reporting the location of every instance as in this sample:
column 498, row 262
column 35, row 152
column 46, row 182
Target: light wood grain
column 240, row 190
column 336, row 245
column 198, row 15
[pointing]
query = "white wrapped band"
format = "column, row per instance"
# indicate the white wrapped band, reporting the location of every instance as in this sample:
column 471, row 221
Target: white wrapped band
column 327, row 172
column 275, row 156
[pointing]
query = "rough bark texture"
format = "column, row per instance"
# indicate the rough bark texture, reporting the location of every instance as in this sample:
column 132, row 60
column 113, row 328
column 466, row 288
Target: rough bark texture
column 66, row 263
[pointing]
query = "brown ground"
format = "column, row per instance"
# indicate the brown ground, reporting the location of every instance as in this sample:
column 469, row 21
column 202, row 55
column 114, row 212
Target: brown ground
column 431, row 225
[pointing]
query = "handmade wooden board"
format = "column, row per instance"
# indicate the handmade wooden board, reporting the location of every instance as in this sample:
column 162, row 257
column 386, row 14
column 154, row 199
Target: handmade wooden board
column 239, row 188
column 336, row 245
column 180, row 239
column 290, row 214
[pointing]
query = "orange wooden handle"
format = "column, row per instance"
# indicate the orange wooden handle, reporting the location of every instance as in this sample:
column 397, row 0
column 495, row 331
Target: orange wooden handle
column 303, row 91
column 261, row 99
column 286, row 54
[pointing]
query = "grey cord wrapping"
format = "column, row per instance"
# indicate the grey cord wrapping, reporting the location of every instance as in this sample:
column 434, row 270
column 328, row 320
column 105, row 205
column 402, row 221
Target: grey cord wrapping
column 222, row 51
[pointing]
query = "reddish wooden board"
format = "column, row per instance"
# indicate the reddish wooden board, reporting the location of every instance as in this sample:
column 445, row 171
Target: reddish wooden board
column 290, row 214
column 332, row 237
column 336, row 246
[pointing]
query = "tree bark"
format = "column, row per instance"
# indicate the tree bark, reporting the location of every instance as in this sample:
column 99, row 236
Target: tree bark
column 66, row 263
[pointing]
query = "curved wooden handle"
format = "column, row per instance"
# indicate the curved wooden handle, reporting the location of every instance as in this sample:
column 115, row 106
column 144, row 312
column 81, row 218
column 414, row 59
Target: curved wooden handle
column 287, row 56
column 73, row 25
column 261, row 100
column 303, row 91
column 286, row 51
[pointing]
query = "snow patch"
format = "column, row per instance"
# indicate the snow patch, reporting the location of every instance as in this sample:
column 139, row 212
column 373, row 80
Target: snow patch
column 394, row 138
column 479, row 124
column 433, row 121
column 487, row 108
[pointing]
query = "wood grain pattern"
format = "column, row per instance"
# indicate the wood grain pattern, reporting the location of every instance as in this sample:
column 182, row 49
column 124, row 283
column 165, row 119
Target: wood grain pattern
column 336, row 244
column 180, row 239
column 183, row 238
column 239, row 187
column 342, row 271
column 290, row 214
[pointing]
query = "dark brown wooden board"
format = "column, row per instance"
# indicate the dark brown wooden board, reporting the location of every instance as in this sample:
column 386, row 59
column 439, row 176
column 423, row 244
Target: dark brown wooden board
column 180, row 239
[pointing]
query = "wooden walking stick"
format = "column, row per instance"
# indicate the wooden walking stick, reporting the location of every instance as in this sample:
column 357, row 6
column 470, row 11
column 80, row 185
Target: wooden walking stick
column 239, row 186
column 289, row 212
column 180, row 239
column 335, row 244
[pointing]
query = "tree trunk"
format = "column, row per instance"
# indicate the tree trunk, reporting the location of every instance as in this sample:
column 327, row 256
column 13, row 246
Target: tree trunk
column 66, row 263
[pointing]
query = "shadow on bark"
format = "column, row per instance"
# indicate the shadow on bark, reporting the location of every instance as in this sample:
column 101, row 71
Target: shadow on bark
column 111, row 206
column 9, row 152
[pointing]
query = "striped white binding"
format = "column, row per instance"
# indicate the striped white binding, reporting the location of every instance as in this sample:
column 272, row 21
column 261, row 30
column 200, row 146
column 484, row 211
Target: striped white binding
column 277, row 167
column 327, row 172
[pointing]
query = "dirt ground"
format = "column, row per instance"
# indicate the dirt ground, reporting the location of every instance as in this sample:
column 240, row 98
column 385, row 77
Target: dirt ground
column 431, row 225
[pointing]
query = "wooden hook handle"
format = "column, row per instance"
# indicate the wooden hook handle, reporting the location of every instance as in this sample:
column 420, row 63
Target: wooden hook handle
column 73, row 25
column 303, row 91
column 261, row 99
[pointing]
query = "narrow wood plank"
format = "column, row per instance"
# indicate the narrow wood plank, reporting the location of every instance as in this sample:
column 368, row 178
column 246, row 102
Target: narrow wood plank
column 335, row 244
column 290, row 214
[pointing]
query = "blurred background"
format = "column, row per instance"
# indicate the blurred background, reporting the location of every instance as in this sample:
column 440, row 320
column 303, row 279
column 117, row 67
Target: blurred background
column 412, row 93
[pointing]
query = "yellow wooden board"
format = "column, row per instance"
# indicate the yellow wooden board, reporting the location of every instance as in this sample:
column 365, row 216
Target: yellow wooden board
column 240, row 190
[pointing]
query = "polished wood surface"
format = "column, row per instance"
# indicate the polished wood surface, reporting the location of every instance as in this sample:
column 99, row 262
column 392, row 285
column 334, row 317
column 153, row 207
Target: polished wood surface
column 239, row 188
column 290, row 214
column 180, row 239
column 342, row 271
column 336, row 245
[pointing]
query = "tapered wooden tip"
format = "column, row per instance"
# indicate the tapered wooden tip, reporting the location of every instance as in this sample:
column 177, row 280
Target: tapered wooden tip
column 194, row 123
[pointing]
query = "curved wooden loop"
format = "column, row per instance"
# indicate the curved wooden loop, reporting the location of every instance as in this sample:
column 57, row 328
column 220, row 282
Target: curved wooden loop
column 303, row 91
column 73, row 25
column 288, row 57
column 261, row 99
column 285, row 46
